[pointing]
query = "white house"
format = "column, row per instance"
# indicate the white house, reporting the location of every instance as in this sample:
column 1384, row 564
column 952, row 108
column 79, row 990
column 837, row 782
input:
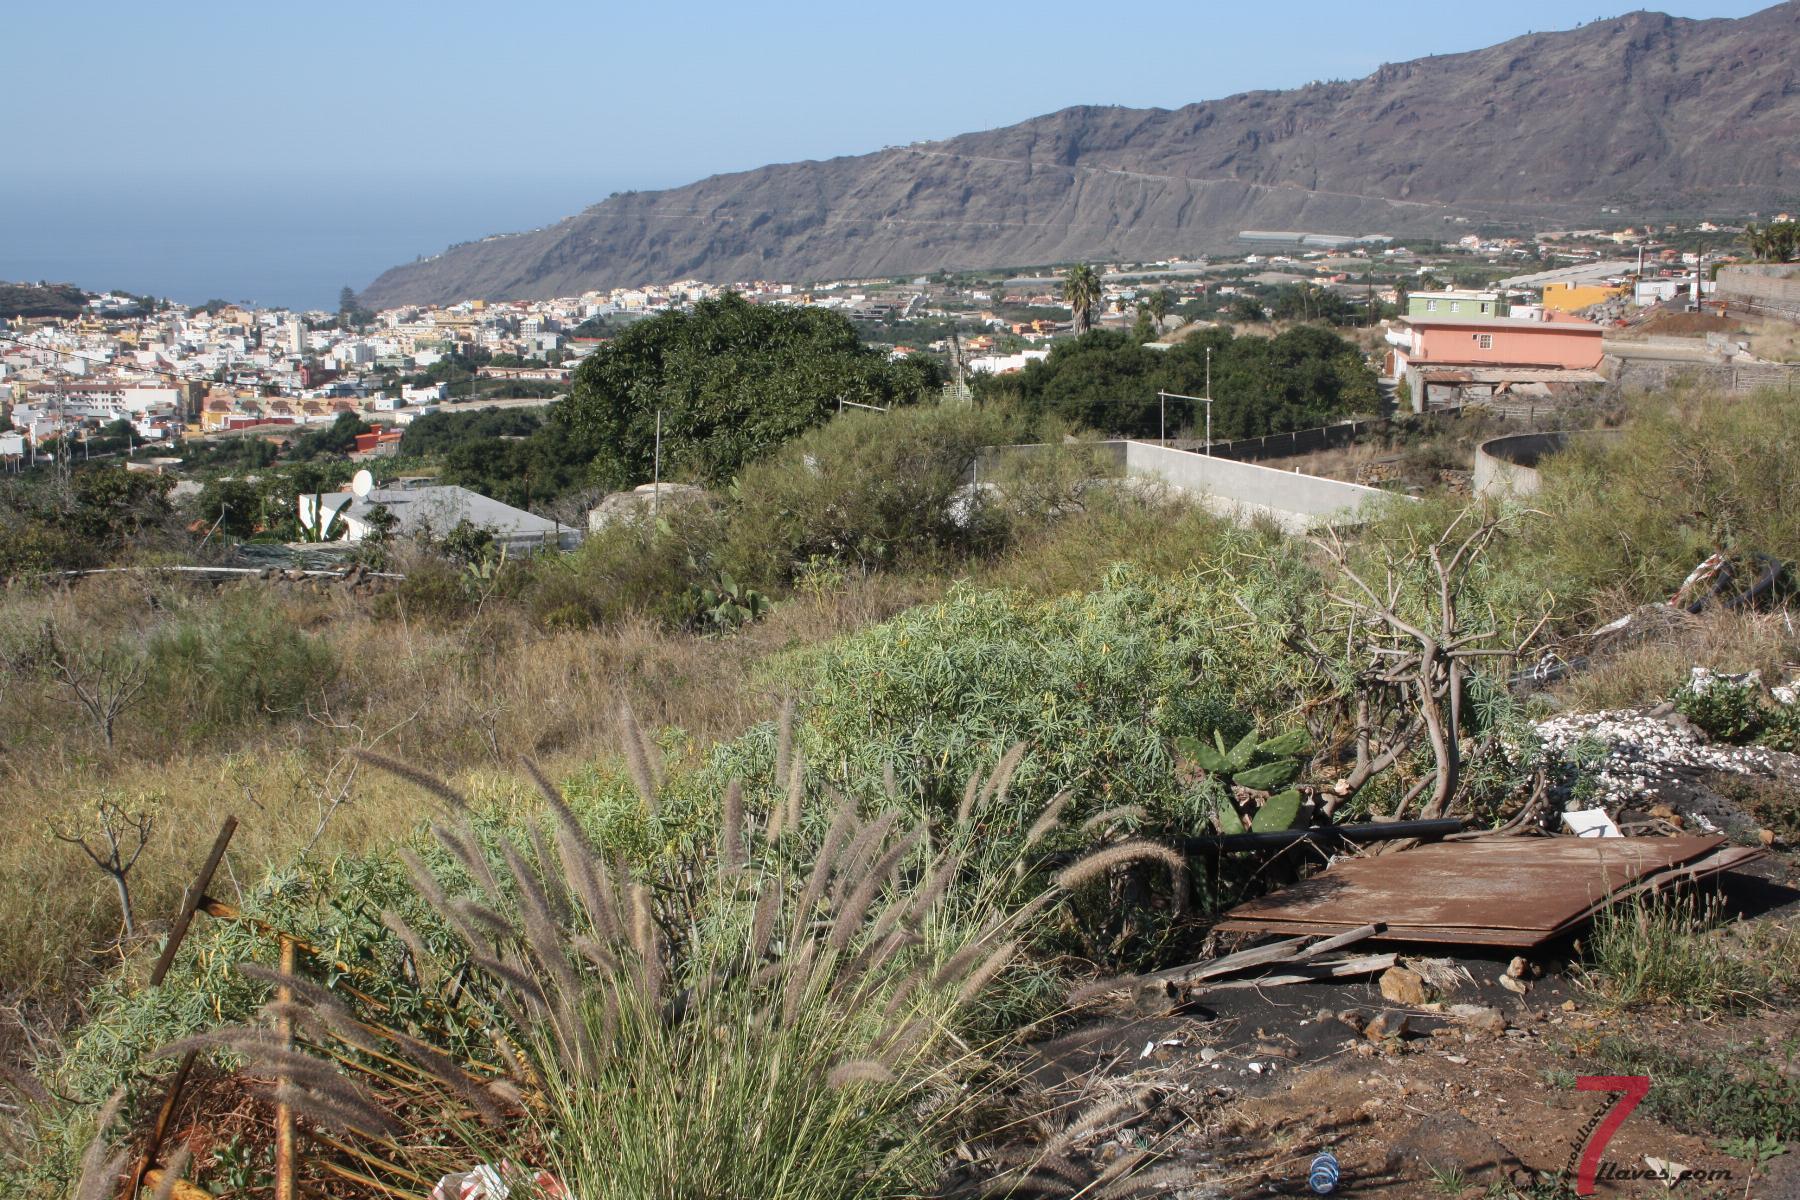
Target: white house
column 433, row 511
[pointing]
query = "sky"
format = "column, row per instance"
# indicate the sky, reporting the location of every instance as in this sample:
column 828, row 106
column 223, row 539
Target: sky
column 168, row 142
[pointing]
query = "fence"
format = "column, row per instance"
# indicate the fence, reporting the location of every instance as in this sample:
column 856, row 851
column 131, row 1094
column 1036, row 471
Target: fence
column 1282, row 445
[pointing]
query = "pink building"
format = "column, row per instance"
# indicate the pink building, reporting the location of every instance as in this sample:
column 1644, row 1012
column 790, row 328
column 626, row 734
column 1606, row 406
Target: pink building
column 1492, row 352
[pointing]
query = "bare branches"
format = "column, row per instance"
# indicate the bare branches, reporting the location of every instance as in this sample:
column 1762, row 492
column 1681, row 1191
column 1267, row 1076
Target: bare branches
column 1413, row 649
column 102, row 679
column 121, row 841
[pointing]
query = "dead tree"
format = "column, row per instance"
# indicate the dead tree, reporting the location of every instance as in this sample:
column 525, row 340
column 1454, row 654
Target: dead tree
column 110, row 853
column 102, row 680
column 1411, row 647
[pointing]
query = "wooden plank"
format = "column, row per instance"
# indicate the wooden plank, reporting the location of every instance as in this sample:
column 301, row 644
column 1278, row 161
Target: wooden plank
column 1368, row 964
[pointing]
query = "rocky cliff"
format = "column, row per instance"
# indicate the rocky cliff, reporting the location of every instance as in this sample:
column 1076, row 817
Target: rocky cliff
column 1647, row 112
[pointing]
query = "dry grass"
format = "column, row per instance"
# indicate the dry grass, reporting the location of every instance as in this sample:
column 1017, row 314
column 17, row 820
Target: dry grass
column 1731, row 642
column 1777, row 341
column 465, row 700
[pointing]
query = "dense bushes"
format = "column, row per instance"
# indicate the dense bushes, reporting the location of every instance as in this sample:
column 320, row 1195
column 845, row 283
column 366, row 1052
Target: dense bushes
column 1099, row 683
column 1302, row 378
column 1631, row 513
column 869, row 490
column 91, row 516
column 241, row 662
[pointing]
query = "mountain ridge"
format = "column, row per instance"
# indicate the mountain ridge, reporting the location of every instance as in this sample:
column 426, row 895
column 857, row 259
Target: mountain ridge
column 1645, row 110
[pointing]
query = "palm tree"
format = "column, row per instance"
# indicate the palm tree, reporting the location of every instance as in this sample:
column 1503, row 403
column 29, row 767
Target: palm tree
column 1756, row 237
column 1081, row 291
column 1157, row 304
column 1783, row 240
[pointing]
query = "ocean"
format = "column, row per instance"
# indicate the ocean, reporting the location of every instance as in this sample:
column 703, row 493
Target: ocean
column 274, row 243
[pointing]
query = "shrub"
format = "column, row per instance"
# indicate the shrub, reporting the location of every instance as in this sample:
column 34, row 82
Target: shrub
column 1726, row 710
column 241, row 662
column 632, row 568
column 869, row 489
column 1101, row 682
column 792, row 1007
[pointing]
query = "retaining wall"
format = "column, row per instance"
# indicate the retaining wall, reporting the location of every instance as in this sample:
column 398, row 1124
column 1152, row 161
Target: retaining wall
column 1766, row 289
column 1245, row 491
column 1241, row 491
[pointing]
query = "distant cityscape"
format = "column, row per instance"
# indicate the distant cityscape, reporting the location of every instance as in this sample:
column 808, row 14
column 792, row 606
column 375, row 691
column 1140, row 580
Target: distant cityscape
column 172, row 371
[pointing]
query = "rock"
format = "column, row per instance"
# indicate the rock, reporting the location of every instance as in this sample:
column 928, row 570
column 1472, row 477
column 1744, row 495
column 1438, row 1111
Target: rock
column 1766, row 836
column 1401, row 986
column 1385, row 1026
column 1353, row 1019
column 1515, row 985
column 1518, row 968
column 640, row 501
column 1481, row 1017
column 1568, row 1006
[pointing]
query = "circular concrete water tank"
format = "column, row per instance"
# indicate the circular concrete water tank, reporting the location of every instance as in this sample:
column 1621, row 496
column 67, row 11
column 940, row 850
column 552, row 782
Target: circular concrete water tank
column 1508, row 465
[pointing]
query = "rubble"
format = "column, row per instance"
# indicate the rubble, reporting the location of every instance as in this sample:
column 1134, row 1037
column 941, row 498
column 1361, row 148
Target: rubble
column 1639, row 754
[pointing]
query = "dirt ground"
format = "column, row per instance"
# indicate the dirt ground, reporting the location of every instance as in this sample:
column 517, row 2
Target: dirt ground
column 1244, row 1087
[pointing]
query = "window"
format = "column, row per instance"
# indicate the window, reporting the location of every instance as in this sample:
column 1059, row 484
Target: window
column 1485, row 341
column 1456, row 306
column 1431, row 306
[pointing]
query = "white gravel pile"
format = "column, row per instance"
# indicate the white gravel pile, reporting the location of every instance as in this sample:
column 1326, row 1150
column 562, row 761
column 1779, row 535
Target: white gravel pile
column 1639, row 753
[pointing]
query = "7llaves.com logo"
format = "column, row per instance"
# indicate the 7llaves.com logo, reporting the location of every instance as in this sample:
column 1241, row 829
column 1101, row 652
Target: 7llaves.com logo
column 1584, row 1160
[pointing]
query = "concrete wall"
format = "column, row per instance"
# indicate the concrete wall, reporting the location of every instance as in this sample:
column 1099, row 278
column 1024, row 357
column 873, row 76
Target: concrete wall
column 1241, row 491
column 1651, row 374
column 1766, row 289
column 1245, row 491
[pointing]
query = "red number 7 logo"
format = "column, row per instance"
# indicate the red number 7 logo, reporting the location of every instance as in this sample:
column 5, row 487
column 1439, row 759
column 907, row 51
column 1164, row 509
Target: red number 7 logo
column 1632, row 1089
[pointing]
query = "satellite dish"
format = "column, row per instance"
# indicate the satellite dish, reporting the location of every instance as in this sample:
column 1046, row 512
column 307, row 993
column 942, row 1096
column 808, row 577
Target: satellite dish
column 361, row 484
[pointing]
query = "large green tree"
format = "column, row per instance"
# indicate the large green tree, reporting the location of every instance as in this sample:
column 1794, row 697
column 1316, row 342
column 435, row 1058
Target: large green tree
column 732, row 380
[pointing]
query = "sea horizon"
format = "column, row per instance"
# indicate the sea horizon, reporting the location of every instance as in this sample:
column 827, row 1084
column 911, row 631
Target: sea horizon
column 273, row 242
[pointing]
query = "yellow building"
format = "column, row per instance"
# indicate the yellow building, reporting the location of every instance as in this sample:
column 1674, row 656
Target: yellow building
column 1569, row 297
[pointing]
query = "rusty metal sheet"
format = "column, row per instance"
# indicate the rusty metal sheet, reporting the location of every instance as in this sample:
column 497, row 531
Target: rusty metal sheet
column 1500, row 891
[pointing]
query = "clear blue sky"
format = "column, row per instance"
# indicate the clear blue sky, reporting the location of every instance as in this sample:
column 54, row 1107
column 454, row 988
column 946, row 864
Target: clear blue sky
column 156, row 146
column 655, row 93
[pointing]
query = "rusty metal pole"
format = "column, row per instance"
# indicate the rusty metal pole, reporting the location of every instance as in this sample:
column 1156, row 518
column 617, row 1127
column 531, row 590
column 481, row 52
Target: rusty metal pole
column 284, row 1115
column 190, row 901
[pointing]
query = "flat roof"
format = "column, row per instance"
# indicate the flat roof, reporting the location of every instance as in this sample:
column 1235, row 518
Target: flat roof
column 1504, row 323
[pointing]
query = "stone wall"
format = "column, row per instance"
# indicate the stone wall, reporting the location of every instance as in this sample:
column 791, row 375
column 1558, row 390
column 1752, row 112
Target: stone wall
column 1766, row 289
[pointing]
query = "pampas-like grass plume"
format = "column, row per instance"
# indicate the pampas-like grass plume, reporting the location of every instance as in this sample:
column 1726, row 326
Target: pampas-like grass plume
column 101, row 1165
column 784, row 740
column 732, row 822
column 1047, row 819
column 796, row 792
column 859, row 1071
column 1118, row 812
column 424, row 780
column 638, row 757
column 1094, row 865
